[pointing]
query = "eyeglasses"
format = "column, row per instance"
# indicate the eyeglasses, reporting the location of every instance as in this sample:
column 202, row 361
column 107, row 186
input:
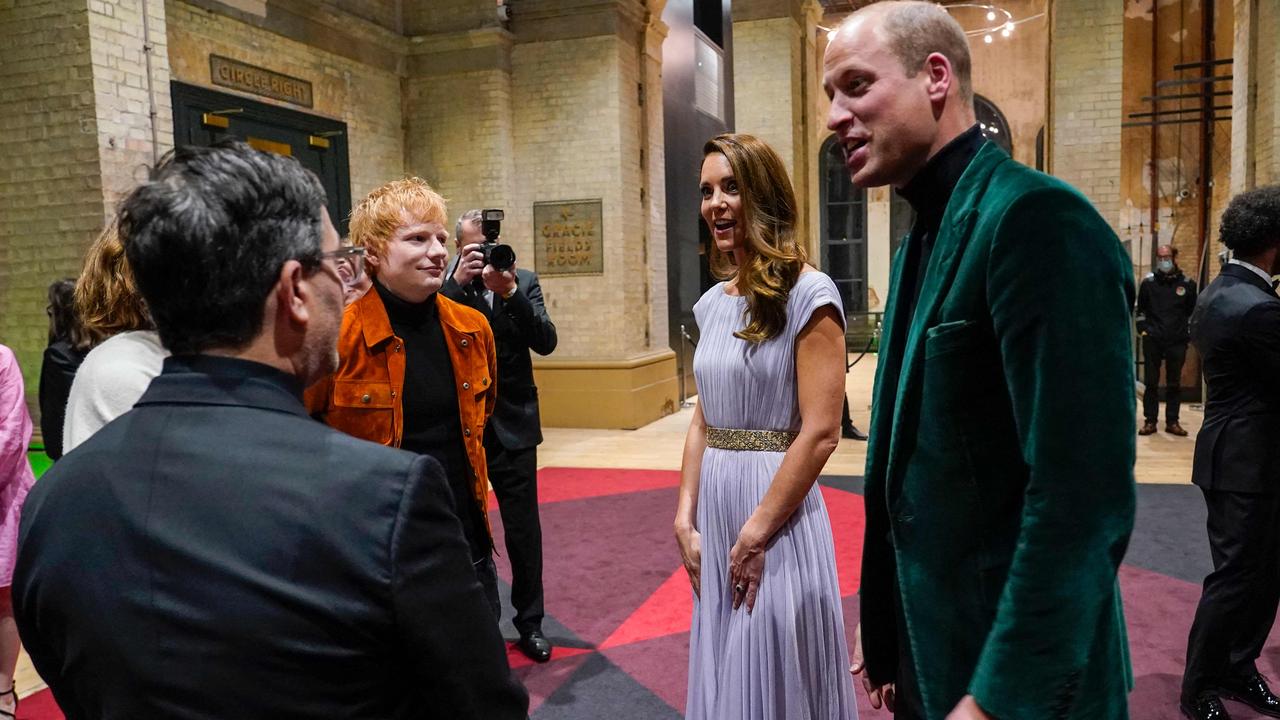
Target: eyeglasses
column 350, row 262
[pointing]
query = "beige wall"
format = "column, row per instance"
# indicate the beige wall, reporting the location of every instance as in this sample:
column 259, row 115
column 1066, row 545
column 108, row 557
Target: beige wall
column 578, row 139
column 50, row 189
column 1267, row 118
column 769, row 95
column 1084, row 136
column 76, row 95
column 552, row 111
column 123, row 96
column 1011, row 72
column 458, row 129
column 366, row 98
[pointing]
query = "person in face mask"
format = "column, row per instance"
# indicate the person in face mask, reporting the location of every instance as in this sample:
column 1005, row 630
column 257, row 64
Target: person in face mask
column 1165, row 301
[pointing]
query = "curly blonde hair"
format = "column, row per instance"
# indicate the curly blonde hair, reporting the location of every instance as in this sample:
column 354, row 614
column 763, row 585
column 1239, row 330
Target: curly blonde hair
column 388, row 207
column 774, row 257
column 106, row 296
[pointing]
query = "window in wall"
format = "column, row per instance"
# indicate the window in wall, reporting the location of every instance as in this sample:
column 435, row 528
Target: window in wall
column 844, row 229
column 993, row 124
column 708, row 77
column 708, row 16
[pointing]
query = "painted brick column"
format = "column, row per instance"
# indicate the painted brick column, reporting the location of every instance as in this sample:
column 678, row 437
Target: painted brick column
column 78, row 83
column 1085, row 99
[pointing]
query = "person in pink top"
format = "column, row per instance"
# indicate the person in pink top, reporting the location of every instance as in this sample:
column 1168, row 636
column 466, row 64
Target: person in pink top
column 16, row 479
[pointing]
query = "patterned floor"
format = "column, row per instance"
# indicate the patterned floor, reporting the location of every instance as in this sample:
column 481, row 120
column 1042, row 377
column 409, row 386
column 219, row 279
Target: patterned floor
column 619, row 602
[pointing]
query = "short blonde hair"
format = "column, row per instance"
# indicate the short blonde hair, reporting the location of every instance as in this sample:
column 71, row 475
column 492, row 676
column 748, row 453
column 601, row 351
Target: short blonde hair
column 915, row 29
column 106, row 296
column 383, row 211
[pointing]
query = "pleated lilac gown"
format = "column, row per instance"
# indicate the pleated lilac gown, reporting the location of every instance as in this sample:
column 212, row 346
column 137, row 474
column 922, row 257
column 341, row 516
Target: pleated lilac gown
column 787, row 660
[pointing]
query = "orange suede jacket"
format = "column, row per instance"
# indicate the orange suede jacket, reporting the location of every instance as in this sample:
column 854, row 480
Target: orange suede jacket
column 362, row 398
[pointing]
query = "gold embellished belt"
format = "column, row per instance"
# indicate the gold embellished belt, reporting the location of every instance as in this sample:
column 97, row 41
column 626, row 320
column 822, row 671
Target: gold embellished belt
column 758, row 440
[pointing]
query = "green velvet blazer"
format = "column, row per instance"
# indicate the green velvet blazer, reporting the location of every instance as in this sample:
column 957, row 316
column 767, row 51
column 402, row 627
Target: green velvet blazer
column 999, row 481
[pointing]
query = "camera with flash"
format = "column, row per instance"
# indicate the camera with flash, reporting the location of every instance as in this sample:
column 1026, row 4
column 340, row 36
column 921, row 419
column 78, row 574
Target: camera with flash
column 500, row 256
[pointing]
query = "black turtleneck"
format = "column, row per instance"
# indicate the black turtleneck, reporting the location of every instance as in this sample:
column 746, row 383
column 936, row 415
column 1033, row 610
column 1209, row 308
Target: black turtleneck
column 429, row 399
column 928, row 193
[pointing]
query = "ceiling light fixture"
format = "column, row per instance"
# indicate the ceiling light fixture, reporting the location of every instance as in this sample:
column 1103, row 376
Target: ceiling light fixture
column 999, row 20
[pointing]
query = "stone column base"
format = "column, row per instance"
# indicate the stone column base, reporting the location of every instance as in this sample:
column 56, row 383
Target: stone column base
column 616, row 394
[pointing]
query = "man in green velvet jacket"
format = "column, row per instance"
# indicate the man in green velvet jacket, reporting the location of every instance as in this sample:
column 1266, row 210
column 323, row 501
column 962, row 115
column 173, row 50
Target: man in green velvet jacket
column 999, row 481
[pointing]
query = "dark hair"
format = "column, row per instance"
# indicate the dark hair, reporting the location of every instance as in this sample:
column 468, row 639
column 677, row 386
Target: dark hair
column 207, row 235
column 1251, row 223
column 64, row 324
column 775, row 256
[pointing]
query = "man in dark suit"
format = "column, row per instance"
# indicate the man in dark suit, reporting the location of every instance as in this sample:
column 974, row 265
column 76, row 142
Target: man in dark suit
column 214, row 552
column 1236, row 329
column 512, row 300
column 999, row 480
column 1166, row 298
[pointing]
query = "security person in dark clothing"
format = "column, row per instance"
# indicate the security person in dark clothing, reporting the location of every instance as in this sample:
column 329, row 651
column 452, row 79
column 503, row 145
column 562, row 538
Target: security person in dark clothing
column 512, row 300
column 1165, row 301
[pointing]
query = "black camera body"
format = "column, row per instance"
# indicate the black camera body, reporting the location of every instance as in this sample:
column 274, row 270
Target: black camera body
column 500, row 256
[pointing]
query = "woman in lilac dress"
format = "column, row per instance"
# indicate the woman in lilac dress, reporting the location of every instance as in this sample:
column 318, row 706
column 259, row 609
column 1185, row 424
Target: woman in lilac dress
column 16, row 479
column 767, row 641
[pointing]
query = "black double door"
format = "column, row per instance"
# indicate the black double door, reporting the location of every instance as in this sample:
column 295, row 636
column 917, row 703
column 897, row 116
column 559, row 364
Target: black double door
column 203, row 117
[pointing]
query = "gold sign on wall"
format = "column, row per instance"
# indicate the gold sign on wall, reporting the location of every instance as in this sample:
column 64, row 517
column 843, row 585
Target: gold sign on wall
column 259, row 81
column 568, row 238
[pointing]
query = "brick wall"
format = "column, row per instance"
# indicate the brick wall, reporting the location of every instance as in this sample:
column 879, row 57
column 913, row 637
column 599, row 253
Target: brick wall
column 124, row 94
column 459, row 138
column 766, row 84
column 655, row 233
column 51, row 201
column 1086, row 71
column 432, row 17
column 576, row 137
column 383, row 12
column 1267, row 115
column 768, row 95
column 366, row 98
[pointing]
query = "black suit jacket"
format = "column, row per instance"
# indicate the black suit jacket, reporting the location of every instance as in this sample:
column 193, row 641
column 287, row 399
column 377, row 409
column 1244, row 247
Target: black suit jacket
column 1236, row 329
column 215, row 553
column 61, row 361
column 520, row 324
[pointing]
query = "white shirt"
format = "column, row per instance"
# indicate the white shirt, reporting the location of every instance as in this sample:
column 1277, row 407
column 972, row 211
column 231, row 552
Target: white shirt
column 1256, row 270
column 111, row 379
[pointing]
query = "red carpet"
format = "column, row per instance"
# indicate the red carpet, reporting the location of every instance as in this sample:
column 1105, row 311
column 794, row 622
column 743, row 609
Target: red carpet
column 619, row 601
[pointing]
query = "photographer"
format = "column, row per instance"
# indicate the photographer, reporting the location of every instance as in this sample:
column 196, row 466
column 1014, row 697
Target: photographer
column 512, row 301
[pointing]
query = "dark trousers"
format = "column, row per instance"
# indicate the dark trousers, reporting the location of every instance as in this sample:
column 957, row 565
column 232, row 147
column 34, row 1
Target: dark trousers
column 1238, row 605
column 487, row 574
column 1172, row 355
column 514, row 475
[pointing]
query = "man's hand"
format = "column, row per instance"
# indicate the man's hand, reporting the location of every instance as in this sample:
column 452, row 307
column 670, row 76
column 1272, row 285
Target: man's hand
column 968, row 710
column 470, row 266
column 501, row 282
column 877, row 694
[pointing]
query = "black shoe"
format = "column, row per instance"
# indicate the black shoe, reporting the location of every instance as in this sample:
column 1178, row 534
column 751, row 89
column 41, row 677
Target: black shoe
column 535, row 646
column 851, row 432
column 1206, row 707
column 1254, row 693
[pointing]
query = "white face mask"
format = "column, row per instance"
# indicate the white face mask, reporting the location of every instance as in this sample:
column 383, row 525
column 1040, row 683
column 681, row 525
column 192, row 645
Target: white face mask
column 1165, row 265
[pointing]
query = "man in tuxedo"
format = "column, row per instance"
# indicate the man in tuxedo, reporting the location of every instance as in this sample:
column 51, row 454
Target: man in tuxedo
column 215, row 552
column 512, row 301
column 999, row 480
column 1236, row 329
